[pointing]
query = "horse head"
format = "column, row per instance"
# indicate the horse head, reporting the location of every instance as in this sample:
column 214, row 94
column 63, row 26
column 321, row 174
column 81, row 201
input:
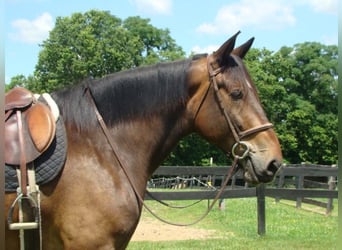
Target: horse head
column 227, row 111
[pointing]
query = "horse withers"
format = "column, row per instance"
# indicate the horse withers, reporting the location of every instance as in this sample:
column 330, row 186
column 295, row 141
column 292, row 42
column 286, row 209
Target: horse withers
column 93, row 203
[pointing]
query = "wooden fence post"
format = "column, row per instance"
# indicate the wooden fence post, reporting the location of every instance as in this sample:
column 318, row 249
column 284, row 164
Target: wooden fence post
column 260, row 191
column 281, row 182
column 299, row 185
column 332, row 186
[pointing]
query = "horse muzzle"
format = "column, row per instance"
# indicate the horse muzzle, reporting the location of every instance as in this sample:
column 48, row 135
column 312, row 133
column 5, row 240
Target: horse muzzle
column 259, row 167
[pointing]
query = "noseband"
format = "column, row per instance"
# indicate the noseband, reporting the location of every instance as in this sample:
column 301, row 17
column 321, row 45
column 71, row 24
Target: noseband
column 240, row 149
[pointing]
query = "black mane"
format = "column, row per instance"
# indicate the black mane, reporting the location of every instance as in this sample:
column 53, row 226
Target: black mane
column 126, row 95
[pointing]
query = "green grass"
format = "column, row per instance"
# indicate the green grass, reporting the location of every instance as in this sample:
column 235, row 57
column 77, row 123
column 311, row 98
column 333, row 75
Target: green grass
column 286, row 226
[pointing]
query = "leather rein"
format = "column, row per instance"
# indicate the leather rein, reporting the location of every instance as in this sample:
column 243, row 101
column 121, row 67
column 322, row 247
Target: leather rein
column 238, row 135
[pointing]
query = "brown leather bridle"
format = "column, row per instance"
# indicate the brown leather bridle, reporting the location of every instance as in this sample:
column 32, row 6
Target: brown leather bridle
column 240, row 149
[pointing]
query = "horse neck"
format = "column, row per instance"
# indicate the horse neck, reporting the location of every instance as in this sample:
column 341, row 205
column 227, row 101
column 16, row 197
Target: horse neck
column 146, row 118
column 145, row 109
column 147, row 142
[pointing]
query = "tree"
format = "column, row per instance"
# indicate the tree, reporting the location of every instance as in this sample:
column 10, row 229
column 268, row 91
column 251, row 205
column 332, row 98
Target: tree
column 195, row 151
column 298, row 88
column 97, row 43
column 314, row 68
column 158, row 45
column 20, row 81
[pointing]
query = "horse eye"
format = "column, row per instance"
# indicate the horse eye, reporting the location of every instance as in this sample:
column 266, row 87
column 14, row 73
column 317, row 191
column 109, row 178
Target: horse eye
column 236, row 94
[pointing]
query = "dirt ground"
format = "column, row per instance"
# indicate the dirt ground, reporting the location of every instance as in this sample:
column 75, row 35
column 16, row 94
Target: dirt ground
column 154, row 230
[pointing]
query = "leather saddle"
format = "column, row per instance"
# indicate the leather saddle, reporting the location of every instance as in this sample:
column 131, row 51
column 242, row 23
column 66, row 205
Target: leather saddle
column 29, row 127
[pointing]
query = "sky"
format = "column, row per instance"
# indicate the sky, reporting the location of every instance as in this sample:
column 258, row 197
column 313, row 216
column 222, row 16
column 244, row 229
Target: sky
column 196, row 25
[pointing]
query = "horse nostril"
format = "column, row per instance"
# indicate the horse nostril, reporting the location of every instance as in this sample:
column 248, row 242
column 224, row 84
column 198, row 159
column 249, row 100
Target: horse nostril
column 267, row 175
column 273, row 168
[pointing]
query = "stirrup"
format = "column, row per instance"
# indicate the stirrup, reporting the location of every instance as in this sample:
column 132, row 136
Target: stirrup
column 23, row 225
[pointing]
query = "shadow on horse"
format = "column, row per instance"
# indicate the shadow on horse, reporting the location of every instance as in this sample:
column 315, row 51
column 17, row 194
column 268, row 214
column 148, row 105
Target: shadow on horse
column 94, row 202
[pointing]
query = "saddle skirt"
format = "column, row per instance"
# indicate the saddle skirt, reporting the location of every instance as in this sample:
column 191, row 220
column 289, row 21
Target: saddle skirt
column 51, row 160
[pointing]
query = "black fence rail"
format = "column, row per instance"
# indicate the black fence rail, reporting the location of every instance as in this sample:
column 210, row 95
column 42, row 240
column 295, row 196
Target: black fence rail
column 313, row 181
column 299, row 182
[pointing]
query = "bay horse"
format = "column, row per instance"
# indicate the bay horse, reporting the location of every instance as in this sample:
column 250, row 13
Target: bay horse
column 92, row 204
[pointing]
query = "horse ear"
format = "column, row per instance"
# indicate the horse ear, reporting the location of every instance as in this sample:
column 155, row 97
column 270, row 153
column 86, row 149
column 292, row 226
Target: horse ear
column 222, row 54
column 243, row 49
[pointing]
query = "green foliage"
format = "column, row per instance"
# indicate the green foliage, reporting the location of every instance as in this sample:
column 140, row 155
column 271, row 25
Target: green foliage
column 158, row 45
column 298, row 89
column 97, row 43
column 20, row 81
column 195, row 151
